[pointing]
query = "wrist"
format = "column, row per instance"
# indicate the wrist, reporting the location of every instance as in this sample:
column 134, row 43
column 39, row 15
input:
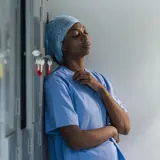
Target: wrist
column 101, row 89
column 113, row 131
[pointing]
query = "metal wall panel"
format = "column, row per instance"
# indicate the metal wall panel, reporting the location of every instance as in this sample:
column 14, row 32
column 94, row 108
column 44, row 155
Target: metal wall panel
column 25, row 147
column 8, row 63
column 34, row 83
column 9, row 80
column 38, row 143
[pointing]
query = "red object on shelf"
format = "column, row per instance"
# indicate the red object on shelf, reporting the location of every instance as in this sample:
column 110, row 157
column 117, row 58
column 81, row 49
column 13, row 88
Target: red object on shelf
column 49, row 70
column 37, row 70
column 39, row 73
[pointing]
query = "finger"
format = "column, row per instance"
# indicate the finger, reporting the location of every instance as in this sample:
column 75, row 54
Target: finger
column 79, row 73
column 82, row 77
column 84, row 82
column 117, row 138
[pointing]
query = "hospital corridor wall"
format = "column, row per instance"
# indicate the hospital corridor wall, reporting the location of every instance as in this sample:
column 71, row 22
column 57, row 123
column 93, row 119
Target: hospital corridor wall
column 21, row 89
column 125, row 40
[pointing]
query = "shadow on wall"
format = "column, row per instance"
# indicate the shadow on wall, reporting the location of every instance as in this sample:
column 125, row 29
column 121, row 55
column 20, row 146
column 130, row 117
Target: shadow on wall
column 36, row 78
column 37, row 82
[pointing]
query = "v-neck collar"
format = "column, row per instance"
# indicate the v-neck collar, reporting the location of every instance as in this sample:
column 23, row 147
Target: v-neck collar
column 70, row 71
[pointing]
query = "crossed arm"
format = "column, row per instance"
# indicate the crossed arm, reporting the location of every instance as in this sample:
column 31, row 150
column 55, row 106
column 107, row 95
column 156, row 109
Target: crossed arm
column 82, row 139
column 119, row 117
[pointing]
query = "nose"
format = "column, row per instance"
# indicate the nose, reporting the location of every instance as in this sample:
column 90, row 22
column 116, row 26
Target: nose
column 84, row 38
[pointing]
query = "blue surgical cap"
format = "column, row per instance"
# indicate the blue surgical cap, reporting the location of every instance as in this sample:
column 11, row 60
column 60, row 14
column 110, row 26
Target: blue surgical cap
column 55, row 33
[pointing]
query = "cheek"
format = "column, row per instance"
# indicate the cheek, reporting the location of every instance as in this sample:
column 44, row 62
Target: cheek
column 75, row 45
column 89, row 38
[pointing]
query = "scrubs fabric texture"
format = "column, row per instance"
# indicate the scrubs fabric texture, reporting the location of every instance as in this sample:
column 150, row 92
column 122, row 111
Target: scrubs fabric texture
column 67, row 102
column 55, row 33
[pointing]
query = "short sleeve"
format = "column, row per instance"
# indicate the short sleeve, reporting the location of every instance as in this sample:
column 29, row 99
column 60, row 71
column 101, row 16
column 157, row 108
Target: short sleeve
column 110, row 89
column 59, row 109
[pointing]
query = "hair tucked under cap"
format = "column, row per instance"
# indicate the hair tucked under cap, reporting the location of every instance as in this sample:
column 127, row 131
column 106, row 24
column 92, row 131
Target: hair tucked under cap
column 55, row 33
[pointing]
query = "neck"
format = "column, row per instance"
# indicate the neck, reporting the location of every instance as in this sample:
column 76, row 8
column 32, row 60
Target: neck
column 74, row 65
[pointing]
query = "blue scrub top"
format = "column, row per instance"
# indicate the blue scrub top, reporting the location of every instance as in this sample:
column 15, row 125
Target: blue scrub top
column 70, row 103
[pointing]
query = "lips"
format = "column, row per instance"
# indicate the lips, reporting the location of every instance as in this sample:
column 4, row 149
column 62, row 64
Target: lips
column 87, row 45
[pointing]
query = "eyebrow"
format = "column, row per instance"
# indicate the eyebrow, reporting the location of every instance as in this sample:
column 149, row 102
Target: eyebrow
column 76, row 28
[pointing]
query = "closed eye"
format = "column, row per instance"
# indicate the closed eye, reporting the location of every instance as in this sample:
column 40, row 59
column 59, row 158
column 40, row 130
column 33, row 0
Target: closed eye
column 77, row 33
column 85, row 32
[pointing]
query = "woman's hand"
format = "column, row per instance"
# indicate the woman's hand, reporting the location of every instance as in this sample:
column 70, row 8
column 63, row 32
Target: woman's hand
column 86, row 78
column 115, row 134
column 116, row 137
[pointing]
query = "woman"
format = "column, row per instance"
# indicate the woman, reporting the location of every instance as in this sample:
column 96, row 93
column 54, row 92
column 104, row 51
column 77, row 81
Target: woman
column 83, row 116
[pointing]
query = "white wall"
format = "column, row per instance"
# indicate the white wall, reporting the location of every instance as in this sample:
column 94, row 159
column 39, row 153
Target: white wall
column 125, row 47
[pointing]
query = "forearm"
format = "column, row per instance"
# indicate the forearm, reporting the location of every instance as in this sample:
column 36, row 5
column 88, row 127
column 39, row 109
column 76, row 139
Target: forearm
column 119, row 117
column 84, row 139
column 93, row 138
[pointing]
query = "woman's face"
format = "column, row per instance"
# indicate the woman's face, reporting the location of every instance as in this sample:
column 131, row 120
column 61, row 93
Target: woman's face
column 77, row 42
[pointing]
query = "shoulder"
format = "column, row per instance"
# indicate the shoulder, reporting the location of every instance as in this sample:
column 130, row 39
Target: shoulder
column 102, row 79
column 57, row 77
column 98, row 75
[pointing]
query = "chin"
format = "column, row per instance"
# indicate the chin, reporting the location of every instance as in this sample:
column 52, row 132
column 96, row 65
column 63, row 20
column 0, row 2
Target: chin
column 83, row 53
column 86, row 52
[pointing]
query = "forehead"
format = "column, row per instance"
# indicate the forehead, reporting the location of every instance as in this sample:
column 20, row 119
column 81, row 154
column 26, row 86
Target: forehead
column 77, row 26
